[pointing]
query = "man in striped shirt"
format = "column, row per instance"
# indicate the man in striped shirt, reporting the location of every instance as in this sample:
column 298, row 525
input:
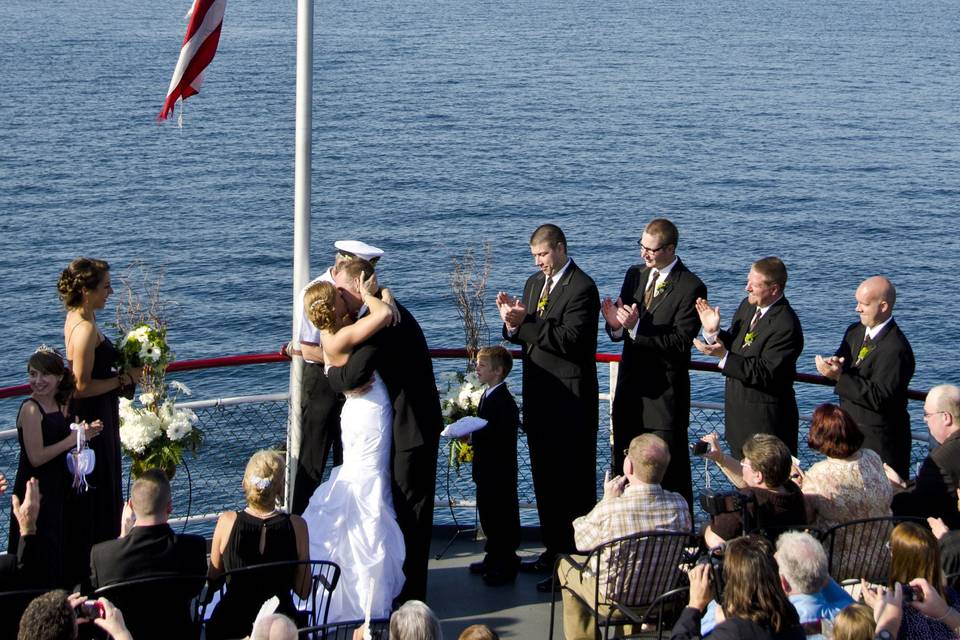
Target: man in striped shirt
column 631, row 503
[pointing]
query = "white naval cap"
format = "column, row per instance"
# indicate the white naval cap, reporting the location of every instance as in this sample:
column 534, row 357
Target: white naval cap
column 359, row 249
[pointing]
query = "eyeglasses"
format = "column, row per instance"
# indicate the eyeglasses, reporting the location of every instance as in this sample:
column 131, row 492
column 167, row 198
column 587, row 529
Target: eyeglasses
column 745, row 464
column 927, row 414
column 626, row 453
column 644, row 249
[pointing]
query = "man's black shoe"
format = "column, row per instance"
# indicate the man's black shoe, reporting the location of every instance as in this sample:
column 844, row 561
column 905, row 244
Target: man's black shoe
column 478, row 568
column 543, row 564
column 496, row 577
column 546, row 584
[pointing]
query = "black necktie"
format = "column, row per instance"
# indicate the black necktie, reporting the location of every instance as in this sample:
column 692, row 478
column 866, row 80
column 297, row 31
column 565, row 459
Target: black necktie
column 756, row 319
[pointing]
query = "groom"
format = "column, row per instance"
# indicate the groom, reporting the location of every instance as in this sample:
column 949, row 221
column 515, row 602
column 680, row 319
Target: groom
column 399, row 353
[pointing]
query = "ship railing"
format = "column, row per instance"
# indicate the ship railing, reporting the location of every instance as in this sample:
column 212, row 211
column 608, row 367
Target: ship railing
column 235, row 427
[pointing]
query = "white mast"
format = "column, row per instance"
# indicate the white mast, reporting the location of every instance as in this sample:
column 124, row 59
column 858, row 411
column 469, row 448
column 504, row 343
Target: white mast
column 301, row 219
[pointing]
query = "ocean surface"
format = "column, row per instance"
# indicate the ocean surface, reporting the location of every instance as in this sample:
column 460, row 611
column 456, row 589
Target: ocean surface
column 825, row 132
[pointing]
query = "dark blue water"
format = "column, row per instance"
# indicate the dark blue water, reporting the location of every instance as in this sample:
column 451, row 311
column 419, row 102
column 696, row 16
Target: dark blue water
column 823, row 132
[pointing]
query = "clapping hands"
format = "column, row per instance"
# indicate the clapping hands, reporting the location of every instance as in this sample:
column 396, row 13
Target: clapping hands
column 512, row 310
column 619, row 315
column 830, row 368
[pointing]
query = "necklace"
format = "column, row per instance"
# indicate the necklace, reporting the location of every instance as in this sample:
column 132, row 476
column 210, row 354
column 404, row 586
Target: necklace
column 260, row 514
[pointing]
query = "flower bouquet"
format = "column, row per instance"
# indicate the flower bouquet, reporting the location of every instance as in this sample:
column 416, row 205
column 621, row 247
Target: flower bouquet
column 146, row 346
column 461, row 399
column 156, row 433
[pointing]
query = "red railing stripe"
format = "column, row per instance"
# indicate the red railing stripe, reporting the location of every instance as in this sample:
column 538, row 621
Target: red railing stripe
column 280, row 356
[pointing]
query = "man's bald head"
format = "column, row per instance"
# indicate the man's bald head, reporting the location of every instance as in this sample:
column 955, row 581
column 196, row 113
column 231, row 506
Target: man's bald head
column 875, row 297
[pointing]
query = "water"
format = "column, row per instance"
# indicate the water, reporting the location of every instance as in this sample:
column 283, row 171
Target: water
column 823, row 132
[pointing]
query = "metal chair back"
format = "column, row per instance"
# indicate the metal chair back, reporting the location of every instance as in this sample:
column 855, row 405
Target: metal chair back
column 633, row 571
column 159, row 606
column 324, row 576
column 379, row 630
column 858, row 548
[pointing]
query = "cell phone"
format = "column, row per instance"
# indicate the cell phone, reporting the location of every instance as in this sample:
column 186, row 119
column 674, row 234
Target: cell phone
column 911, row 594
column 700, row 448
column 91, row 610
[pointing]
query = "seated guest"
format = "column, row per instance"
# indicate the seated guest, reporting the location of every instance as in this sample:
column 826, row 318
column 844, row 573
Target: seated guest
column 915, row 554
column 934, row 493
column 274, row 627
column 850, row 484
column 151, row 548
column 478, row 632
column 53, row 616
column 631, row 503
column 802, row 563
column 30, row 567
column 763, row 474
column 414, row 621
column 854, row 623
column 754, row 604
column 258, row 534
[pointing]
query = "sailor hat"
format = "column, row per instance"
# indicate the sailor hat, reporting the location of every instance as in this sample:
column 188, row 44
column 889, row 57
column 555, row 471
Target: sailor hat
column 358, row 249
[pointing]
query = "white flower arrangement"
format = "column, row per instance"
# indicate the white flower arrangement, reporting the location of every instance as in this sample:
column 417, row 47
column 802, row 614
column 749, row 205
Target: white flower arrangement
column 462, row 396
column 156, row 433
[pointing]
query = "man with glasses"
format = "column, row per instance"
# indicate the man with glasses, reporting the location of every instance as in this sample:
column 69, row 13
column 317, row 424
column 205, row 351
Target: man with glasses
column 872, row 370
column 934, row 494
column 758, row 357
column 656, row 318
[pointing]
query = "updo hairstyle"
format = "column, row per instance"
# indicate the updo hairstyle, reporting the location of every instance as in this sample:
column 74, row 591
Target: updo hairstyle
column 49, row 362
column 81, row 274
column 263, row 479
column 320, row 301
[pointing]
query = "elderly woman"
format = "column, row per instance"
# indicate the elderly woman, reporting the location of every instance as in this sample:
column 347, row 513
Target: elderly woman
column 850, row 483
column 258, row 534
column 754, row 605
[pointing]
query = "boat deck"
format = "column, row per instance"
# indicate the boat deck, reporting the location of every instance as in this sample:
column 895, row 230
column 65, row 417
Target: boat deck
column 461, row 599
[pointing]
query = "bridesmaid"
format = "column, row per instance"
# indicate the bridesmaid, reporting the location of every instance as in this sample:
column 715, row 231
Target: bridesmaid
column 84, row 287
column 44, row 433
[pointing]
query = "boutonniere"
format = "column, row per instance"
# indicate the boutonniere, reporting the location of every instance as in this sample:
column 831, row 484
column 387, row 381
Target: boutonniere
column 662, row 288
column 542, row 304
column 863, row 353
column 748, row 339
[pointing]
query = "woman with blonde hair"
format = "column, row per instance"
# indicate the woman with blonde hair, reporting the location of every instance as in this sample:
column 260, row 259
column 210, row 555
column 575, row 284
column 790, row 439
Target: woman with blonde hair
column 258, row 534
column 351, row 515
column 94, row 515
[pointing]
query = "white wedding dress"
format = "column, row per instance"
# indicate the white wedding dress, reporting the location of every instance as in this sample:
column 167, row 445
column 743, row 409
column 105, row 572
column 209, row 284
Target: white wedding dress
column 350, row 516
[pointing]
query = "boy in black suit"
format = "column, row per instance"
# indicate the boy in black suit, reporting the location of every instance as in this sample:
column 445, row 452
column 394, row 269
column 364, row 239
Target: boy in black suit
column 495, row 469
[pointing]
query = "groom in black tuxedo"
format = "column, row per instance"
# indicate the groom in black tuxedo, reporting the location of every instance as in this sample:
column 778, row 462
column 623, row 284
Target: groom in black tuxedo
column 758, row 357
column 555, row 322
column 656, row 319
column 399, row 354
column 872, row 370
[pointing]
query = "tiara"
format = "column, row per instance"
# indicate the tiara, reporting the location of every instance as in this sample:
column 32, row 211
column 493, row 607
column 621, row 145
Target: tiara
column 45, row 349
column 316, row 303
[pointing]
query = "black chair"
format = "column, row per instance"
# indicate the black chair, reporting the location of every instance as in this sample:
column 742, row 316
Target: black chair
column 379, row 630
column 858, row 548
column 12, row 605
column 160, row 606
column 635, row 574
column 324, row 576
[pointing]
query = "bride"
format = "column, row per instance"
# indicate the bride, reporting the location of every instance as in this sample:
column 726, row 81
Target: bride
column 350, row 518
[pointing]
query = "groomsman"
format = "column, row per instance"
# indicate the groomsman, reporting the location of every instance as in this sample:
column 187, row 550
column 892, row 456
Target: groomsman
column 758, row 356
column 656, row 319
column 319, row 404
column 555, row 322
column 872, row 369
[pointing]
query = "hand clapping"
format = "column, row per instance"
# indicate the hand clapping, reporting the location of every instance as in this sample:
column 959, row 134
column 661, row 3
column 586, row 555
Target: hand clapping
column 512, row 311
column 830, row 367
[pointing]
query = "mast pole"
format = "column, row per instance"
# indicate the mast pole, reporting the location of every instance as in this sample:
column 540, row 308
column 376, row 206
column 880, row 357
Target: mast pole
column 301, row 221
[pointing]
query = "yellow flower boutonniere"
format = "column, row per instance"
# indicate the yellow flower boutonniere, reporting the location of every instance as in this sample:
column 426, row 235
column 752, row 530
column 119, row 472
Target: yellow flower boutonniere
column 748, row 339
column 542, row 304
column 661, row 288
column 863, row 353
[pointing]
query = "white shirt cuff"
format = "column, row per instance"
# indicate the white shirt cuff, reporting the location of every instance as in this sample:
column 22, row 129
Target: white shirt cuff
column 723, row 360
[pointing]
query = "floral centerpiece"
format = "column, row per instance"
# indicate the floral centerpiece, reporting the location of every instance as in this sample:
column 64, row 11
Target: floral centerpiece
column 461, row 399
column 156, row 433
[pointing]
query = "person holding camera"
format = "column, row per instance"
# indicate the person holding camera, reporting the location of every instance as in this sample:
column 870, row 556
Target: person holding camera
column 766, row 494
column 55, row 615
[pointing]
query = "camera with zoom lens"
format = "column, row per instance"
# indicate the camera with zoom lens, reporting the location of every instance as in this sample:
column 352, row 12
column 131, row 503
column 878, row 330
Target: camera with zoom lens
column 719, row 502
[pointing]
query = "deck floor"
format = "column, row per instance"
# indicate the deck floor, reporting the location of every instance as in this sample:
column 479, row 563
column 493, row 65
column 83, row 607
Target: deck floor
column 461, row 599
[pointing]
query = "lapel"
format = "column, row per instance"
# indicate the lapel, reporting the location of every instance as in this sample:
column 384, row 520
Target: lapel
column 669, row 282
column 559, row 290
column 861, row 335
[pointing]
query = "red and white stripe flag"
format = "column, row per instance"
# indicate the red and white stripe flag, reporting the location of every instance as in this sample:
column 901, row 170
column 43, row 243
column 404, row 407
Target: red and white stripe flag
column 199, row 47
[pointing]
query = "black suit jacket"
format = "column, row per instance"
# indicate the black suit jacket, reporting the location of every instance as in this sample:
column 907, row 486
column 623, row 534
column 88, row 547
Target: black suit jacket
column 401, row 356
column 759, row 395
column 653, row 384
column 875, row 392
column 559, row 353
column 495, row 446
column 935, row 491
column 145, row 552
column 28, row 568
